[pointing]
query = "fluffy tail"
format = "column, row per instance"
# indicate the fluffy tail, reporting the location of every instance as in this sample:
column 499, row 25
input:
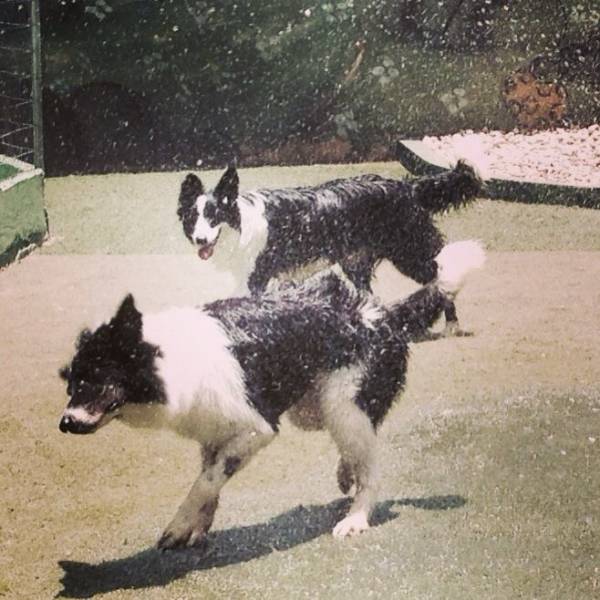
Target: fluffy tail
column 455, row 262
column 415, row 315
column 469, row 148
column 450, row 189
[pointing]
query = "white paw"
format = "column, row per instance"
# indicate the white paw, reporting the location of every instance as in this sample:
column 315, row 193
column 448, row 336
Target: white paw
column 351, row 525
column 184, row 530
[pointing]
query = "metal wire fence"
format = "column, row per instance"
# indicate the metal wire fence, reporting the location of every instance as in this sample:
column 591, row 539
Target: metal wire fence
column 20, row 81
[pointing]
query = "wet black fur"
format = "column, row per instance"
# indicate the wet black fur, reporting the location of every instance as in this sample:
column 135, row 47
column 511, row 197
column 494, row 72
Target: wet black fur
column 191, row 188
column 284, row 340
column 232, row 464
column 375, row 218
column 113, row 365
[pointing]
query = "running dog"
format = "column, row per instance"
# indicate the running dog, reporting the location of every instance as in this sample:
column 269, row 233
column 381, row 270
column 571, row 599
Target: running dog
column 354, row 222
column 225, row 373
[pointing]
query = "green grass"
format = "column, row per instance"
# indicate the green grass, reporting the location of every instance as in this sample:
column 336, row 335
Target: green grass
column 135, row 214
column 7, row 171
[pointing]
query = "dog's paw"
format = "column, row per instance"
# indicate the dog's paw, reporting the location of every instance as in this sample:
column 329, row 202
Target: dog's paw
column 351, row 525
column 181, row 534
column 461, row 333
column 453, row 329
column 428, row 336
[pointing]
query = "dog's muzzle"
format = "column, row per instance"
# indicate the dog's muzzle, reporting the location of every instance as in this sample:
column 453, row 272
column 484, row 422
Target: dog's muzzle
column 69, row 425
column 206, row 248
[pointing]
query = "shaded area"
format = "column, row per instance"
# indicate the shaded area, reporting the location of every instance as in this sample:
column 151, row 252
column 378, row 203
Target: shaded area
column 133, row 85
column 150, row 568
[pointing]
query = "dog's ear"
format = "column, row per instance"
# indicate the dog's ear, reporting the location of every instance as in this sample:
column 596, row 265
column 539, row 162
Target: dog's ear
column 84, row 336
column 65, row 372
column 191, row 188
column 228, row 185
column 128, row 320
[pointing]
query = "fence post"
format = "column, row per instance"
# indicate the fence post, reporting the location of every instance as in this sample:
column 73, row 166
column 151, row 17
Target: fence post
column 36, row 85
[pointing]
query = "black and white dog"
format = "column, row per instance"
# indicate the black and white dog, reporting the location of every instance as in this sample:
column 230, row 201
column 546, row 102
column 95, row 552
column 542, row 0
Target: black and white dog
column 354, row 222
column 327, row 354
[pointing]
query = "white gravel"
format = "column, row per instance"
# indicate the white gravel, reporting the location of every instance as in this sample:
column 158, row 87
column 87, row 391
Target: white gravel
column 561, row 156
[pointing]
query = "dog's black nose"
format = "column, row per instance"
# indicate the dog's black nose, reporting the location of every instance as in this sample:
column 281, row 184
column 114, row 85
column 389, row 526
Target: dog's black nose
column 200, row 241
column 69, row 425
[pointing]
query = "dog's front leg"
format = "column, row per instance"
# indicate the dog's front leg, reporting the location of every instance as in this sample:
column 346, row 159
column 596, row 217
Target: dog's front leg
column 196, row 513
column 262, row 274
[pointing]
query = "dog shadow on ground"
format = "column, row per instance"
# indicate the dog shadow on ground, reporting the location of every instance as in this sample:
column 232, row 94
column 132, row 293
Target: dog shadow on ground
column 151, row 568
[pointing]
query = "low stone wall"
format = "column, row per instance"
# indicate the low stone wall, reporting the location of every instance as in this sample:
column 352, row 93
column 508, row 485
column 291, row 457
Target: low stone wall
column 23, row 222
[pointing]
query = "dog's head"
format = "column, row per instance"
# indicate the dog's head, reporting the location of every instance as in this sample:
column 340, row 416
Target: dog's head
column 112, row 366
column 203, row 214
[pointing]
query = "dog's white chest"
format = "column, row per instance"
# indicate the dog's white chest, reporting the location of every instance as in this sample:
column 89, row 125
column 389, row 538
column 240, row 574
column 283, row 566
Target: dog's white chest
column 236, row 252
column 203, row 381
column 229, row 256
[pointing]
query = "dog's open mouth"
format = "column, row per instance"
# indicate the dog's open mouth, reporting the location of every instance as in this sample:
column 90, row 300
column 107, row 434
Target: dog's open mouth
column 206, row 250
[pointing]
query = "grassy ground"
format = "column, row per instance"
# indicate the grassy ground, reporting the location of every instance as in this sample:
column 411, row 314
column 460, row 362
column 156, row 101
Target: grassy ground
column 101, row 213
column 490, row 460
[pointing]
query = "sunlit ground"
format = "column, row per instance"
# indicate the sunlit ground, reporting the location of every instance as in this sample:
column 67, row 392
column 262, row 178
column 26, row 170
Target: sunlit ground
column 490, row 459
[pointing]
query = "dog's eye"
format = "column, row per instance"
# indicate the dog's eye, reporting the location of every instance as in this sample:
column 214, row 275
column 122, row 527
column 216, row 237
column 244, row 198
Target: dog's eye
column 113, row 406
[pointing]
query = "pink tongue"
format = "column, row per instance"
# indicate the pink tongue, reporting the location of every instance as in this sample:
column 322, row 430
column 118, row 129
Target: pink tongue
column 205, row 252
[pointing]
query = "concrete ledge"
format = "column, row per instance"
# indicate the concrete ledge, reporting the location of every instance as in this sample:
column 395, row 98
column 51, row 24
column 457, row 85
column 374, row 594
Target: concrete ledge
column 419, row 159
column 23, row 222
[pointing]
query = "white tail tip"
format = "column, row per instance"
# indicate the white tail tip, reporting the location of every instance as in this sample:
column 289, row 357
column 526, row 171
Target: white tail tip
column 456, row 261
column 470, row 149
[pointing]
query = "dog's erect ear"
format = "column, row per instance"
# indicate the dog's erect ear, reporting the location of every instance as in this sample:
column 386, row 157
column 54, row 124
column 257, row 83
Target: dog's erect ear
column 229, row 184
column 84, row 336
column 191, row 188
column 64, row 372
column 128, row 319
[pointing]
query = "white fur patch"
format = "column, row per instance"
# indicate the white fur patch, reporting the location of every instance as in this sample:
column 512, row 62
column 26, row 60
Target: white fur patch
column 80, row 415
column 346, row 422
column 236, row 252
column 254, row 225
column 456, row 260
column 356, row 440
column 202, row 230
column 204, row 384
column 328, row 199
column 370, row 313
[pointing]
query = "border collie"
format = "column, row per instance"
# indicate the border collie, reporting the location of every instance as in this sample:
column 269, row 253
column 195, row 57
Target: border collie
column 224, row 374
column 355, row 222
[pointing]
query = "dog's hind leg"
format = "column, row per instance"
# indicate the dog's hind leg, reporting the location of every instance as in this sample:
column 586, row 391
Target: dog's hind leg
column 354, row 435
column 359, row 268
column 306, row 413
column 426, row 271
column 196, row 513
column 345, row 476
column 452, row 328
